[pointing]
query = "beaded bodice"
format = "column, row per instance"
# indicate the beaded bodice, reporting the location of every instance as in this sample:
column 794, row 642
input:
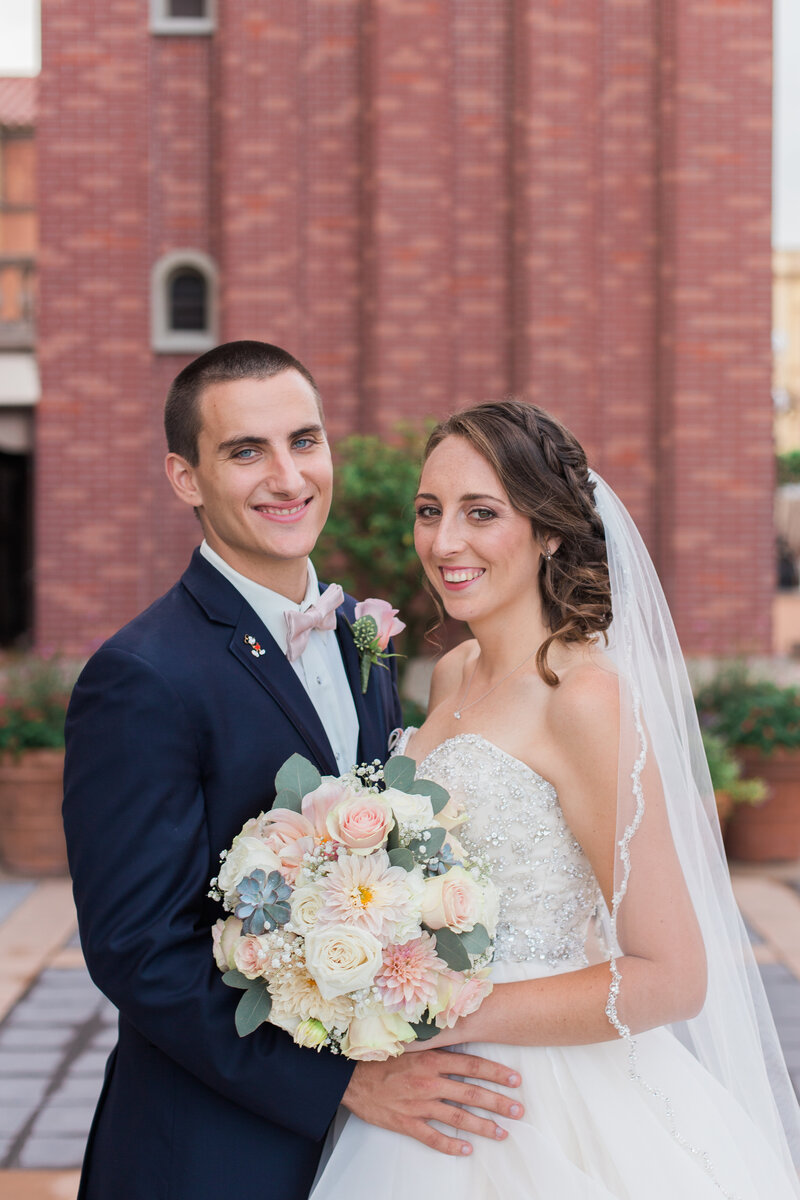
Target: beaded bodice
column 548, row 892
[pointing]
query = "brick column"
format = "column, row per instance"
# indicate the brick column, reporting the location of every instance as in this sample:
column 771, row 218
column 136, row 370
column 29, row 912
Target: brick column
column 715, row 483
column 92, row 435
column 408, row 347
column 555, row 185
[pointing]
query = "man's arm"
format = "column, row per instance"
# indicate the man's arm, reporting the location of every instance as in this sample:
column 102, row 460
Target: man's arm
column 134, row 813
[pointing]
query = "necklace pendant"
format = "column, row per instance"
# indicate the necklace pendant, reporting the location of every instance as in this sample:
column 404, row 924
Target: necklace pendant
column 457, row 716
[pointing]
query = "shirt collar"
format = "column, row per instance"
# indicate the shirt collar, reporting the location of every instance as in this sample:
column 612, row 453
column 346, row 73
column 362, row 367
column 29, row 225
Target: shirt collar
column 268, row 605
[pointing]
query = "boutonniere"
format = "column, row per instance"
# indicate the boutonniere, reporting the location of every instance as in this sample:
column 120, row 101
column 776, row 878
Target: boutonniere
column 376, row 622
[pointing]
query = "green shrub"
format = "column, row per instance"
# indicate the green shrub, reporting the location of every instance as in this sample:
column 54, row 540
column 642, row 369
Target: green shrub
column 33, row 703
column 368, row 543
column 788, row 467
column 726, row 772
column 745, row 711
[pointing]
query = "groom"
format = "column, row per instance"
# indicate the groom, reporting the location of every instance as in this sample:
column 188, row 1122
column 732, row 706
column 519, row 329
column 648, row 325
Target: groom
column 175, row 731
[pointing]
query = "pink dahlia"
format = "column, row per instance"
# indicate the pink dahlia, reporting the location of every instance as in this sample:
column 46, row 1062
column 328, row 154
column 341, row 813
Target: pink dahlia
column 368, row 892
column 409, row 976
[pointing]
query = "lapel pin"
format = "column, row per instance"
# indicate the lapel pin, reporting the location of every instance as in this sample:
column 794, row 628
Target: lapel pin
column 255, row 647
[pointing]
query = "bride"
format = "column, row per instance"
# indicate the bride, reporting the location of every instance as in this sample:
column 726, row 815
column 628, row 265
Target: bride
column 625, row 993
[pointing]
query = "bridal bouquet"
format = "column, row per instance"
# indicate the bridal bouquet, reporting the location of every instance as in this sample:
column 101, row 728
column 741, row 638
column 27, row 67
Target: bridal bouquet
column 357, row 920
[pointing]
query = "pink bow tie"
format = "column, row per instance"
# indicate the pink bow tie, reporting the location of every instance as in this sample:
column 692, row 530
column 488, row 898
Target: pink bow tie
column 321, row 615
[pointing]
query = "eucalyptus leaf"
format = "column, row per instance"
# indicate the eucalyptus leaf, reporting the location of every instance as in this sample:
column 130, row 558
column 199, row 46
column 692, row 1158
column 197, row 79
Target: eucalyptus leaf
column 399, row 772
column 450, row 948
column 286, row 798
column 431, row 846
column 402, row 857
column 476, row 940
column 253, row 1008
column 426, row 787
column 236, row 979
column 298, row 775
column 425, row 1030
column 393, row 839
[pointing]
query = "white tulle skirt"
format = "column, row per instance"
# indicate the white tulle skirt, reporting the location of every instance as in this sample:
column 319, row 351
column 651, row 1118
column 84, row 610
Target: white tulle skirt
column 589, row 1133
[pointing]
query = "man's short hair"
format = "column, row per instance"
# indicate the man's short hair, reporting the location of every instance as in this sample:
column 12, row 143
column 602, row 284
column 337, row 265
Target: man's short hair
column 232, row 360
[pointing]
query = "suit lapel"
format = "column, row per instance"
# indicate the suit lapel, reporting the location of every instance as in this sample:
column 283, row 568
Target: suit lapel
column 371, row 742
column 268, row 665
column 274, row 672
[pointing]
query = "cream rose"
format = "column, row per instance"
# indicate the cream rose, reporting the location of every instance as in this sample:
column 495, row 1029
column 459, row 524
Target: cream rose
column 452, row 815
column 361, row 824
column 408, row 808
column 454, row 899
column 306, row 903
column 342, row 959
column 225, row 935
column 246, row 855
column 377, row 1036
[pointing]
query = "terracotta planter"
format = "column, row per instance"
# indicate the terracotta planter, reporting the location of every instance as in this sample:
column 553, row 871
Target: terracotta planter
column 31, row 832
column 770, row 831
column 725, row 808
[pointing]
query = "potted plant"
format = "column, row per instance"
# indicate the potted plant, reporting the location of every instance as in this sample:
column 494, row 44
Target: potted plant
column 759, row 720
column 33, row 702
column 730, row 788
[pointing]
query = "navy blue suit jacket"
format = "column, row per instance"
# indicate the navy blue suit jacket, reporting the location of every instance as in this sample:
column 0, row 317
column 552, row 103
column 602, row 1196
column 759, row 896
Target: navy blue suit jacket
column 175, row 732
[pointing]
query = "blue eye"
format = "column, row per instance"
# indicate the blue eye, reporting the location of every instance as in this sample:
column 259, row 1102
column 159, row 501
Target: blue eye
column 246, row 452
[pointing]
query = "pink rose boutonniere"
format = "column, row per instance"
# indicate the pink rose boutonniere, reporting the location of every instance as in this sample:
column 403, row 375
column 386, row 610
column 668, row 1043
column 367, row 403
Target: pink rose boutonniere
column 376, row 622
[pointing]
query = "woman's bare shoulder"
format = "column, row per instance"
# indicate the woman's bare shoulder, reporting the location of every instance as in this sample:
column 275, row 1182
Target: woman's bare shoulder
column 448, row 674
column 586, row 702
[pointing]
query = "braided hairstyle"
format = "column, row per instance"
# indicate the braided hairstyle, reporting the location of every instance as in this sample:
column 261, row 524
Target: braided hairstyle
column 544, row 472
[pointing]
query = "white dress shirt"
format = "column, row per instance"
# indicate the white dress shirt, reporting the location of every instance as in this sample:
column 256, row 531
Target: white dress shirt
column 319, row 668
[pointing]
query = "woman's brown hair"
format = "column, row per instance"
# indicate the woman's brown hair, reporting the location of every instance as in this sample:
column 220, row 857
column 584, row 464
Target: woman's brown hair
column 544, row 472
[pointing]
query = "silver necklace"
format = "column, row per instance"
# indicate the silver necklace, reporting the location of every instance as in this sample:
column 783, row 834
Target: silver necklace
column 463, row 707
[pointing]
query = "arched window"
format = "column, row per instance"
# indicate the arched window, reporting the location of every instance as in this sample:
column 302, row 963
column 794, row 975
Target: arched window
column 182, row 16
column 188, row 300
column 184, row 303
column 188, row 8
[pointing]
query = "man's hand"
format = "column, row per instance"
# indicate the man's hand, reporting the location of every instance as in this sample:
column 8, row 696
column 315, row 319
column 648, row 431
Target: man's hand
column 405, row 1093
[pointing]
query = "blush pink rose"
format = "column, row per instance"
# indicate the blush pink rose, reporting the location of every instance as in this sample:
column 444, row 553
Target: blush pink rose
column 250, row 956
column 466, row 997
column 292, row 854
column 385, row 617
column 362, row 824
column 281, row 826
column 317, row 804
column 454, row 899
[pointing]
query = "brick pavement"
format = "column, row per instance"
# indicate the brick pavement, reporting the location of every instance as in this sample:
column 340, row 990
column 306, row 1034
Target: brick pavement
column 56, row 1029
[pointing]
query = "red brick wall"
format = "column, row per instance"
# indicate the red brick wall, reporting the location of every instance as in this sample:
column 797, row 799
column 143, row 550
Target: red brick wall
column 431, row 203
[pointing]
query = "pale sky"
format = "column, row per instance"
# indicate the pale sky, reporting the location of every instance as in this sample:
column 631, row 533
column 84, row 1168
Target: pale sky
column 20, row 55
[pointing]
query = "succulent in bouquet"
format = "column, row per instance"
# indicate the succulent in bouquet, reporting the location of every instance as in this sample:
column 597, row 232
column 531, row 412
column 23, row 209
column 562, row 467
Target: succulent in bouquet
column 357, row 920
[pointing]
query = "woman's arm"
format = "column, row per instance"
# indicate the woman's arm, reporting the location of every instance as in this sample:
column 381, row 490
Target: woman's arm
column 663, row 964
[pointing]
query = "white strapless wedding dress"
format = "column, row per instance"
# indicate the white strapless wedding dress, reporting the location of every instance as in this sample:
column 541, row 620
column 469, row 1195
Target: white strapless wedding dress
column 589, row 1131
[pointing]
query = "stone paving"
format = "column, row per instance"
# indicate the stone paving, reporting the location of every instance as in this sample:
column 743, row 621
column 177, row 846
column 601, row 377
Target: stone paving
column 56, row 1035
